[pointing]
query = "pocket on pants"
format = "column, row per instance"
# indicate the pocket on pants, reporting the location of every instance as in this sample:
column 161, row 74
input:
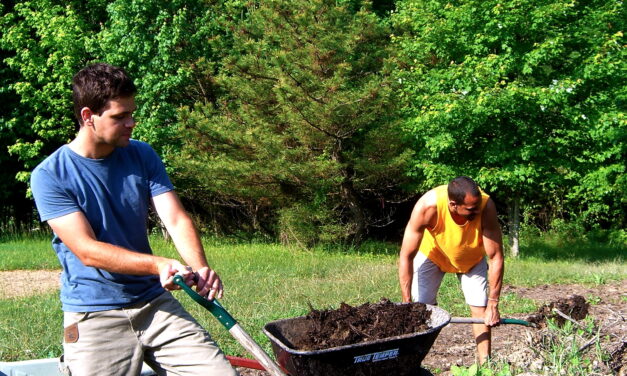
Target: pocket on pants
column 71, row 332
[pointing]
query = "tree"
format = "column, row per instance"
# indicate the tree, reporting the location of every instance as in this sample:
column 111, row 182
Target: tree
column 306, row 127
column 165, row 45
column 170, row 48
column 504, row 91
column 43, row 42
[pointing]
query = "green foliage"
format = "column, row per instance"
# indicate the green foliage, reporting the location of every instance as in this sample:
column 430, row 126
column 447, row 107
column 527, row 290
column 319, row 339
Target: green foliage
column 300, row 126
column 163, row 44
column 288, row 108
column 566, row 240
column 487, row 369
column 168, row 47
column 45, row 43
column 305, row 226
column 572, row 349
column 526, row 96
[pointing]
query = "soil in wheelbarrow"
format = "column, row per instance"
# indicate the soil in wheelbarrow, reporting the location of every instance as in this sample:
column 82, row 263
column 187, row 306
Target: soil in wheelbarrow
column 350, row 325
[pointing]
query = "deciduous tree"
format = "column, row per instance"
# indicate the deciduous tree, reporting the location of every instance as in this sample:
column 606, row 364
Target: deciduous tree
column 523, row 95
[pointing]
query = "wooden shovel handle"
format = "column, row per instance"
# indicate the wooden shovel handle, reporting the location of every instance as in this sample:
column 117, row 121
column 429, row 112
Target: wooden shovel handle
column 470, row 320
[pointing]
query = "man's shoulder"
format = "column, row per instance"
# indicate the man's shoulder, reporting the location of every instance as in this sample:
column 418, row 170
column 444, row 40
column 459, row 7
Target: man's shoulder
column 139, row 144
column 430, row 199
column 53, row 160
column 141, row 148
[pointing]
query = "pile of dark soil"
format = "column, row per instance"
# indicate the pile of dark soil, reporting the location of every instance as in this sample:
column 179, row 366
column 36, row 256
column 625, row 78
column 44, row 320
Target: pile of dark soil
column 576, row 307
column 349, row 325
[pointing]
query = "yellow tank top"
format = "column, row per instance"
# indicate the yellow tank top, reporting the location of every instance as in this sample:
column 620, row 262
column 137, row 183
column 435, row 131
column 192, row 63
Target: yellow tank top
column 453, row 248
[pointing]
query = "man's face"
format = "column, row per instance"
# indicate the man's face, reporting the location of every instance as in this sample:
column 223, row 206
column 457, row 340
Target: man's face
column 114, row 126
column 469, row 208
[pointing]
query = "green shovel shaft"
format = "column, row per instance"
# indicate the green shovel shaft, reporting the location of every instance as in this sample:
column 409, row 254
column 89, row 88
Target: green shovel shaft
column 212, row 306
column 233, row 327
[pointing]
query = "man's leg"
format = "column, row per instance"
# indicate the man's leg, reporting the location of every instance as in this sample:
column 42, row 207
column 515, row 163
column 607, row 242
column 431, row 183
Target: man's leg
column 475, row 285
column 426, row 280
column 100, row 343
column 175, row 343
column 483, row 337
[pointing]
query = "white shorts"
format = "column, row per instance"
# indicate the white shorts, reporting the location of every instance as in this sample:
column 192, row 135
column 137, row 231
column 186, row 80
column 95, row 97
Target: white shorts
column 428, row 277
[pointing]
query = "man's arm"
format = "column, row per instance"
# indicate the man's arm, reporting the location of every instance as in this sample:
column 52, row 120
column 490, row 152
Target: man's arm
column 493, row 244
column 423, row 214
column 183, row 232
column 78, row 235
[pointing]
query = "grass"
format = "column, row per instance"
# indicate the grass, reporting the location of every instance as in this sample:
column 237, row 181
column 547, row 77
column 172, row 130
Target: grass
column 32, row 253
column 264, row 282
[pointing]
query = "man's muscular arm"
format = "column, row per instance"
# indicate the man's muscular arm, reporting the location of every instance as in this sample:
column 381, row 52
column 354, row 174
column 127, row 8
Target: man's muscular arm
column 424, row 213
column 493, row 244
column 187, row 242
column 78, row 235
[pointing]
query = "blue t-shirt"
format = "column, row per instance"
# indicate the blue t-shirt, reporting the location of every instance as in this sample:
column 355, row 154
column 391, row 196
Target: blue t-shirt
column 114, row 195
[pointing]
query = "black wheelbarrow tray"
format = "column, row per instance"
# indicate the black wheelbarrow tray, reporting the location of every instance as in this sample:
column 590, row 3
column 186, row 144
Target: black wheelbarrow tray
column 392, row 356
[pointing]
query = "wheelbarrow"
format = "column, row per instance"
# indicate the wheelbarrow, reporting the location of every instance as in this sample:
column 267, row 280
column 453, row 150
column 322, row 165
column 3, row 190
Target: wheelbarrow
column 398, row 355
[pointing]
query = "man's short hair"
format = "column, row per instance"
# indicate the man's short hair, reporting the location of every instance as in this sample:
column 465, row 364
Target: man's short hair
column 460, row 186
column 95, row 85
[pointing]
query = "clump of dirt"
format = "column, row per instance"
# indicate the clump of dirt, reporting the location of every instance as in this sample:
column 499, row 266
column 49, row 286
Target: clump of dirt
column 575, row 307
column 349, row 325
column 618, row 360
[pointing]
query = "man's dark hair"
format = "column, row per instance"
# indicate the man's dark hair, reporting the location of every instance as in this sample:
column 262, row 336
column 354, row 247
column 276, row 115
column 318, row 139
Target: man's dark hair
column 460, row 186
column 95, row 85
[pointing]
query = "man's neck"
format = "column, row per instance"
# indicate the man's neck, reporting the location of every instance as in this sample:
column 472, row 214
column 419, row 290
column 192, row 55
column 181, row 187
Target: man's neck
column 85, row 146
column 456, row 217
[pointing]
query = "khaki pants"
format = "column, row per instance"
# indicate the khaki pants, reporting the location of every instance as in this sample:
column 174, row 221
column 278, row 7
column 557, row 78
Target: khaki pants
column 160, row 333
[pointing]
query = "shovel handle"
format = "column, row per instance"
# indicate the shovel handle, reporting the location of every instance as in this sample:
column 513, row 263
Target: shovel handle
column 233, row 327
column 470, row 320
column 212, row 306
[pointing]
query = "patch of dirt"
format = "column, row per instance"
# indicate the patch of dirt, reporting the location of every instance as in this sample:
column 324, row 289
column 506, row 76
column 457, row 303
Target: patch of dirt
column 517, row 344
column 574, row 307
column 349, row 325
column 21, row 283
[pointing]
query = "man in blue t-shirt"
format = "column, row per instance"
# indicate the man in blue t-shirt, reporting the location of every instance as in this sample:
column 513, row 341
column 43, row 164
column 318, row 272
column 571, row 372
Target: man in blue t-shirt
column 95, row 194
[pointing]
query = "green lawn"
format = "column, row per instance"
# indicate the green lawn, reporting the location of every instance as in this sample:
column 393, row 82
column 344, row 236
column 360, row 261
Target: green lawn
column 265, row 282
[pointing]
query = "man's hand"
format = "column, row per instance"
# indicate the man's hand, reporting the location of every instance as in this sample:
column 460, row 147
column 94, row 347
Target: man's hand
column 209, row 284
column 168, row 268
column 492, row 316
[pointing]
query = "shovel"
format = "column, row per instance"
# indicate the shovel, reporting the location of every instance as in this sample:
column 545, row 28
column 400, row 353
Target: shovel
column 470, row 320
column 233, row 327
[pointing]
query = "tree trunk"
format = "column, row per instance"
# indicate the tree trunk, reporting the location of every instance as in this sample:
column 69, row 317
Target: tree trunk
column 514, row 226
column 350, row 197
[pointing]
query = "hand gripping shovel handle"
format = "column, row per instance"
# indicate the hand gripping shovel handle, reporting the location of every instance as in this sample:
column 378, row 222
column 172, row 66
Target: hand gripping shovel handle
column 469, row 320
column 233, row 327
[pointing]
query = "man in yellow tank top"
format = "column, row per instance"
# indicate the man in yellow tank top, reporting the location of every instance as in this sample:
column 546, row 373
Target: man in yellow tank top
column 461, row 229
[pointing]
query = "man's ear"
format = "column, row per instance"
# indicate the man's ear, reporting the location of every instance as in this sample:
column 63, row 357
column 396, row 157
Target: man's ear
column 87, row 116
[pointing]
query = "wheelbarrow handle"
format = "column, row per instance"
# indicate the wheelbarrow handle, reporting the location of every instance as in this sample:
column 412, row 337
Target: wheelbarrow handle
column 233, row 327
column 471, row 320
